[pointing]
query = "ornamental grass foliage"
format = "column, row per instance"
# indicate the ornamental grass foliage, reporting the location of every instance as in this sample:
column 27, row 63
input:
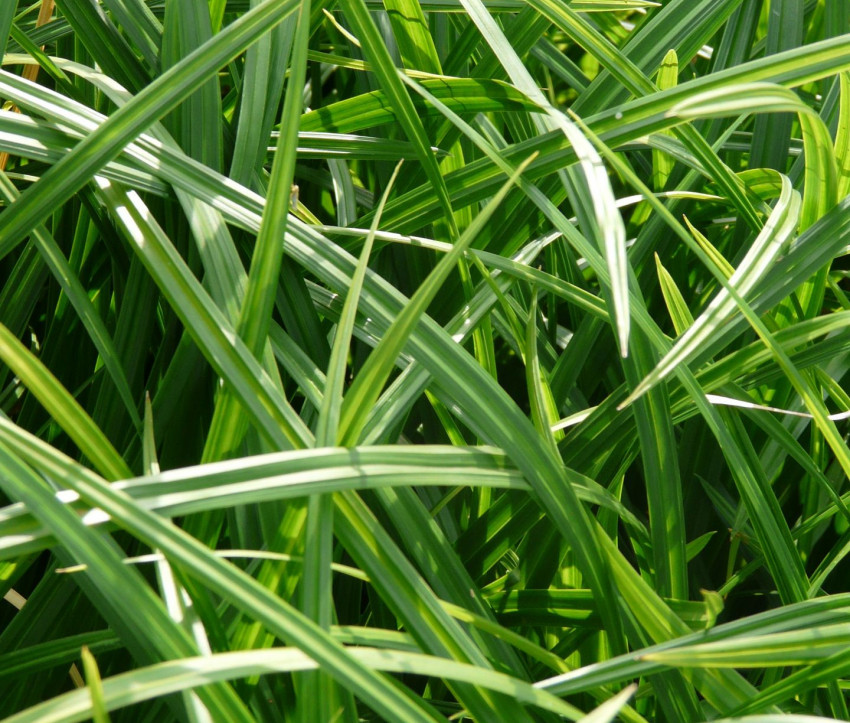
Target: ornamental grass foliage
column 422, row 360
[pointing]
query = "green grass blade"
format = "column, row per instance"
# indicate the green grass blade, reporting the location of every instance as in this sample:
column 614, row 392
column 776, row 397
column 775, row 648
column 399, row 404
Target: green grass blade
column 609, row 710
column 167, row 678
column 127, row 602
column 775, row 236
column 387, row 74
column 100, row 713
column 842, row 138
column 668, row 77
column 73, row 419
column 245, row 592
column 369, row 382
column 207, row 325
column 328, row 429
column 148, row 106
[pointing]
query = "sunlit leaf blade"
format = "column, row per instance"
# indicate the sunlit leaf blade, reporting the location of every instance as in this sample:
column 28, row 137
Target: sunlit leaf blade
column 668, row 77
column 842, row 138
column 156, row 99
column 820, row 193
column 676, row 305
column 95, row 687
column 373, row 45
column 774, row 237
column 210, row 278
column 609, row 710
column 170, row 677
column 799, row 647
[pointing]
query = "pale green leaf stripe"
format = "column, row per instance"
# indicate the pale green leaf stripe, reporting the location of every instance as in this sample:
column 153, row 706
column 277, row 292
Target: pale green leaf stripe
column 319, row 248
column 243, row 591
column 544, row 412
column 498, row 6
column 681, row 24
column 842, row 138
column 763, row 508
column 284, row 475
column 125, row 600
column 255, row 314
column 777, row 718
column 67, row 412
column 64, row 179
column 413, row 36
column 191, row 301
column 94, row 685
column 351, row 147
column 627, row 73
column 43, row 140
column 517, row 269
column 773, row 238
column 517, row 544
column 417, row 607
column 235, row 210
column 798, row 616
column 34, row 139
column 46, row 64
column 828, row 670
column 668, row 77
column 820, row 192
column 317, row 693
column 609, row 710
column 348, row 634
column 628, row 122
column 658, row 619
column 602, row 6
column 790, row 68
column 255, row 311
column 798, row 647
column 170, row 677
column 645, row 115
column 677, row 307
column 547, row 475
column 462, row 94
column 568, row 230
column 263, row 79
column 821, row 181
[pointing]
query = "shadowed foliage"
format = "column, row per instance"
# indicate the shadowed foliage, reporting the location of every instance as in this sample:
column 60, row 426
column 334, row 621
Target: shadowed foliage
column 386, row 360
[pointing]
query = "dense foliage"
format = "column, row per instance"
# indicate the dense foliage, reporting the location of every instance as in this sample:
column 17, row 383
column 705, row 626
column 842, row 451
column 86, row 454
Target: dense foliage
column 292, row 431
